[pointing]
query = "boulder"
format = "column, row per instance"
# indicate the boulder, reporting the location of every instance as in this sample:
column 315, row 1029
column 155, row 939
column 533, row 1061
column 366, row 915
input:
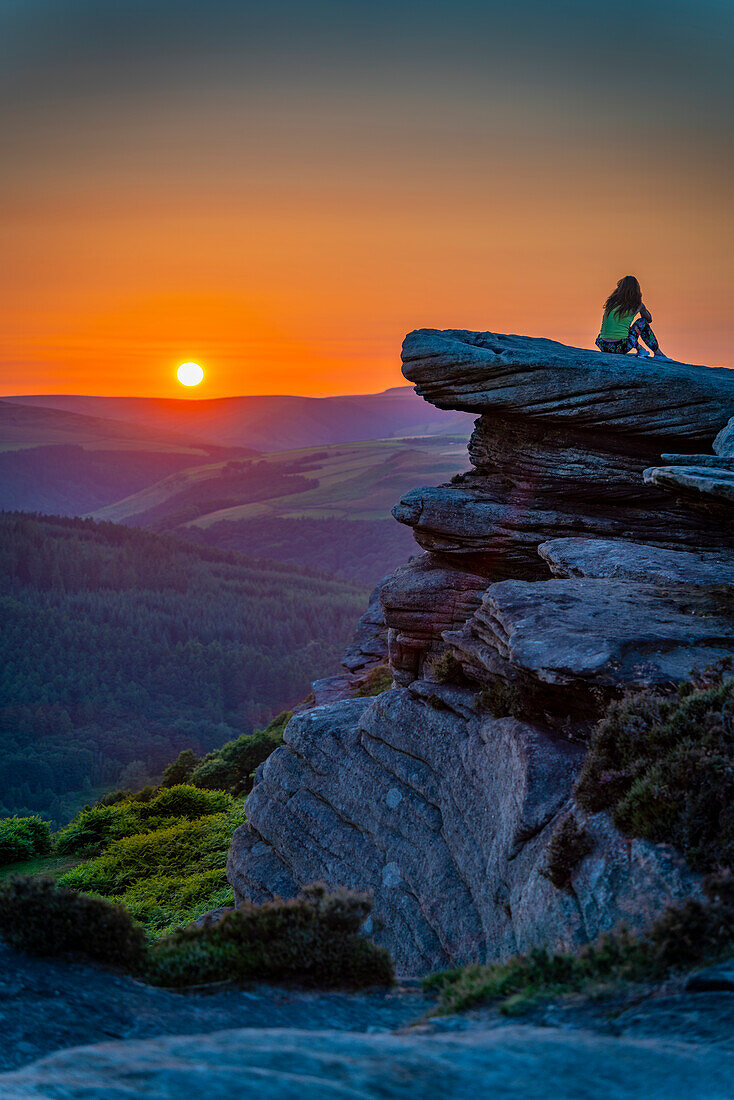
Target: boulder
column 444, row 814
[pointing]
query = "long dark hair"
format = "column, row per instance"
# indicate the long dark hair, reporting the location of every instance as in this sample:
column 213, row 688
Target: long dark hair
column 626, row 298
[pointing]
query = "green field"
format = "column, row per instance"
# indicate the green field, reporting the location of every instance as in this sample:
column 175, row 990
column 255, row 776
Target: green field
column 347, row 481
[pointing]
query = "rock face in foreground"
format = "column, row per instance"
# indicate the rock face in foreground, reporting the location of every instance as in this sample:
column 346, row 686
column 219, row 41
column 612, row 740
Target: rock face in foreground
column 311, row 1065
column 554, row 578
column 446, row 815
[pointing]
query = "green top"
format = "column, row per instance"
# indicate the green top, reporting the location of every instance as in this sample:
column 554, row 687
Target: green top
column 614, row 327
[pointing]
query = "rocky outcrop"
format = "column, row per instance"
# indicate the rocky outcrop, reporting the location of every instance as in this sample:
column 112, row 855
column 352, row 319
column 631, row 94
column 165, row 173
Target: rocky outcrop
column 700, row 481
column 368, row 646
column 367, row 650
column 445, row 815
column 542, row 380
column 554, row 578
column 422, row 600
column 595, row 633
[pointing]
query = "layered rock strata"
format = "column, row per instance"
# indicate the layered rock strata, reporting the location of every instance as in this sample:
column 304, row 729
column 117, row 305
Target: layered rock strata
column 554, row 578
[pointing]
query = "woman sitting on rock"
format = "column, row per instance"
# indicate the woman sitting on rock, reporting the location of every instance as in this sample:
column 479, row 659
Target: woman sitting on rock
column 620, row 332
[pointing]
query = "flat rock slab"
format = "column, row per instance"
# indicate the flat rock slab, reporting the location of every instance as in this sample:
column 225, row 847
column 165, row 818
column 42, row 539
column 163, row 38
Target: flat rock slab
column 612, row 632
column 506, row 1062
column 542, row 379
column 49, row 1004
column 718, row 462
column 635, row 561
column 700, row 481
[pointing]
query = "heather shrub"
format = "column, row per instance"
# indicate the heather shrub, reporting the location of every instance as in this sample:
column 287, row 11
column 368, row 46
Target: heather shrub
column 445, row 669
column 685, row 936
column 663, row 765
column 567, row 846
column 23, row 838
column 377, row 680
column 313, row 940
column 501, row 699
column 40, row 917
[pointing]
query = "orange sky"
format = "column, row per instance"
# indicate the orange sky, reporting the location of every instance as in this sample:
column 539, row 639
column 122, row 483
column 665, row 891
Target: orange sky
column 287, row 243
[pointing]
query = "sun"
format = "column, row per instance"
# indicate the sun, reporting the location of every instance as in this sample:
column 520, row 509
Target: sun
column 190, row 374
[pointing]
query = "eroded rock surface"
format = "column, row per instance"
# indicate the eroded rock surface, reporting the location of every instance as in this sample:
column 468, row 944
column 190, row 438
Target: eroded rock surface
column 603, row 632
column 421, row 600
column 441, row 795
column 706, row 481
column 542, row 379
column 444, row 814
column 724, row 442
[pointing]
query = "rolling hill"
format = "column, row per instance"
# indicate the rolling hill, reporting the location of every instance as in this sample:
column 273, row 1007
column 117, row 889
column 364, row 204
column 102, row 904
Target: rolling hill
column 69, row 463
column 326, row 507
column 272, row 423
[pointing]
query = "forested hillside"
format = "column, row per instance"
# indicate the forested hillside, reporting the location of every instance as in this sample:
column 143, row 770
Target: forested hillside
column 119, row 648
column 361, row 550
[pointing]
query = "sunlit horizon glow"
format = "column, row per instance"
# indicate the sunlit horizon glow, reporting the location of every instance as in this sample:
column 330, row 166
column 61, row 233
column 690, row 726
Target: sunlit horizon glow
column 288, row 190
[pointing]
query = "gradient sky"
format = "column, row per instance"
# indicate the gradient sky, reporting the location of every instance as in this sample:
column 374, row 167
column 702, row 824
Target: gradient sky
column 281, row 190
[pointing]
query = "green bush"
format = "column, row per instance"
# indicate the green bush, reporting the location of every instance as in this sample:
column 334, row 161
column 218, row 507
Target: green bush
column 38, row 916
column 165, row 902
column 685, row 936
column 231, row 767
column 22, row 838
column 97, row 826
column 180, row 770
column 313, row 940
column 174, row 851
column 185, row 801
column 566, row 848
column 664, row 766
